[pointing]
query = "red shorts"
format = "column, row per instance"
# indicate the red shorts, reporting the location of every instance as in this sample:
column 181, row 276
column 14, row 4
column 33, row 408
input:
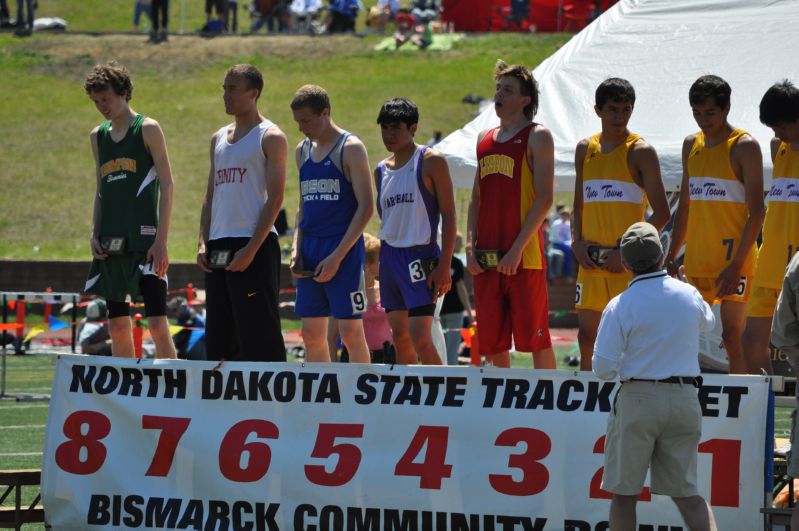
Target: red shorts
column 514, row 307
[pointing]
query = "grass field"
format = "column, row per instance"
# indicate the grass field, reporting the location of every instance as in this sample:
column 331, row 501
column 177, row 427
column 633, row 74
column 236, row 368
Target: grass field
column 47, row 176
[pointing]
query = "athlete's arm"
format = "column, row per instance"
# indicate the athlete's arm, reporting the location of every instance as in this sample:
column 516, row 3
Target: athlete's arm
column 296, row 265
column 775, row 147
column 94, row 241
column 681, row 216
column 275, row 148
column 471, row 220
column 436, row 172
column 356, row 169
column 747, row 162
column 205, row 215
column 155, row 142
column 580, row 246
column 644, row 162
column 541, row 149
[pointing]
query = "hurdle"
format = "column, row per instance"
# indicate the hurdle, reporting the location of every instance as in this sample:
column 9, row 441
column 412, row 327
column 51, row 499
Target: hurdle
column 21, row 298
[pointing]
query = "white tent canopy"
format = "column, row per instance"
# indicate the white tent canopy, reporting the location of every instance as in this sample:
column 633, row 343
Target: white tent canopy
column 661, row 47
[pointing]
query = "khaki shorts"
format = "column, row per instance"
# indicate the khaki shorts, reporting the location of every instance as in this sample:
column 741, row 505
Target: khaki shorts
column 595, row 292
column 708, row 289
column 762, row 302
column 655, row 427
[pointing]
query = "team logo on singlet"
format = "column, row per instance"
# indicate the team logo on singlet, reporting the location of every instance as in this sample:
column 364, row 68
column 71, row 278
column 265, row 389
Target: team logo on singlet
column 785, row 190
column 396, row 199
column 501, row 164
column 118, row 165
column 320, row 189
column 229, row 176
column 710, row 189
column 606, row 190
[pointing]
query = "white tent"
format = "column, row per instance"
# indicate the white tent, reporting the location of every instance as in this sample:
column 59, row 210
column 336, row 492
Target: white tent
column 661, row 47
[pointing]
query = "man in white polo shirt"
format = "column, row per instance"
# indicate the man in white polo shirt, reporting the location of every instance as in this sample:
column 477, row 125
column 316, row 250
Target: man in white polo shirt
column 649, row 337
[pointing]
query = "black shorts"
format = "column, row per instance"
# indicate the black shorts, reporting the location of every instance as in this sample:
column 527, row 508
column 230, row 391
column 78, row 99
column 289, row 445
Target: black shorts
column 153, row 291
column 242, row 320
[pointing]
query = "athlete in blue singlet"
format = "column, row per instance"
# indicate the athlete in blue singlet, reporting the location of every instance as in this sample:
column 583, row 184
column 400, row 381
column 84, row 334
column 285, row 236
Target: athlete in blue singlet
column 414, row 190
column 335, row 206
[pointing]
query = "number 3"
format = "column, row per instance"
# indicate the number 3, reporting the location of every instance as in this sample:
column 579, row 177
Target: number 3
column 416, row 271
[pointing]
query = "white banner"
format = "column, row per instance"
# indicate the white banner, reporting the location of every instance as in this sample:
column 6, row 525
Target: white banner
column 257, row 446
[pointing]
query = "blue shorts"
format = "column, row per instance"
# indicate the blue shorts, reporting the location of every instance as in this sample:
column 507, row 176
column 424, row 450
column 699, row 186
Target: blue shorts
column 343, row 296
column 403, row 281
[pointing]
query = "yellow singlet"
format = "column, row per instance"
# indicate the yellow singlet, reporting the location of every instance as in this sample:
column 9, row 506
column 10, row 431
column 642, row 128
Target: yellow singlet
column 718, row 210
column 612, row 201
column 781, row 228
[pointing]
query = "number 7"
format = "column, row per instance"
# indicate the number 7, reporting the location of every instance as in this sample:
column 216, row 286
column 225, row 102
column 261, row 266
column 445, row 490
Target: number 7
column 172, row 429
column 729, row 243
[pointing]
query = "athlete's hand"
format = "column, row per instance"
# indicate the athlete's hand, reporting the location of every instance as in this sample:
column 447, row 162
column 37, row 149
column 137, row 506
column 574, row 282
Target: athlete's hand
column 202, row 258
column 440, row 280
column 327, row 269
column 727, row 282
column 472, row 265
column 613, row 263
column 242, row 259
column 675, row 270
column 295, row 266
column 97, row 249
column 580, row 250
column 158, row 254
column 510, row 262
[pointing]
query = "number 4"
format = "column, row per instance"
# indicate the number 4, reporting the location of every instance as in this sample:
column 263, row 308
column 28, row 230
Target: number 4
column 434, row 467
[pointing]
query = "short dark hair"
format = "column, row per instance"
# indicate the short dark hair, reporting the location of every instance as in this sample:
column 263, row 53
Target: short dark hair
column 614, row 89
column 251, row 75
column 527, row 83
column 780, row 104
column 398, row 110
column 707, row 87
column 311, row 96
column 109, row 75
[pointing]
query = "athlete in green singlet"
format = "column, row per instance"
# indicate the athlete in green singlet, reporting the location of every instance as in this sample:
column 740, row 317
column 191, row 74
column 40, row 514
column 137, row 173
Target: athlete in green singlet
column 130, row 223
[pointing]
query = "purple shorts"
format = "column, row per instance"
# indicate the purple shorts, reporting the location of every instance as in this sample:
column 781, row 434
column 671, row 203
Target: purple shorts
column 403, row 280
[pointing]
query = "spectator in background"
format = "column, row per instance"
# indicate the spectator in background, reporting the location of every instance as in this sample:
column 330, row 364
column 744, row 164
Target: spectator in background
column 381, row 14
column 561, row 239
column 303, row 14
column 404, row 23
column 24, row 24
column 141, row 6
column 232, row 16
column 375, row 323
column 93, row 334
column 456, row 313
column 435, row 140
column 218, row 7
column 425, row 10
column 342, row 15
column 4, row 15
column 266, row 12
column 555, row 257
column 194, row 326
column 160, row 16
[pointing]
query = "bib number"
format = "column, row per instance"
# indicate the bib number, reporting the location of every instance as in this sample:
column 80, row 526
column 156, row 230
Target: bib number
column 416, row 271
column 741, row 287
column 578, row 294
column 358, row 300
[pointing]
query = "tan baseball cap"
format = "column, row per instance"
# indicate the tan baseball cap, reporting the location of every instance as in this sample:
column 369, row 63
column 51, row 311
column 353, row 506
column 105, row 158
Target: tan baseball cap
column 640, row 246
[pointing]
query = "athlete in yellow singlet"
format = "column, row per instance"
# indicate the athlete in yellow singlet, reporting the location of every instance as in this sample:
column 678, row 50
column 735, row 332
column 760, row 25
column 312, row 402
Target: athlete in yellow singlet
column 779, row 110
column 720, row 212
column 617, row 172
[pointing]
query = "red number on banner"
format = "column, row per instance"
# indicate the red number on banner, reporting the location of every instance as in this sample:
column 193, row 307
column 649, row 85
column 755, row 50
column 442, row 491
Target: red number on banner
column 725, row 470
column 172, row 429
column 67, row 455
column 349, row 456
column 595, row 491
column 535, row 476
column 235, row 444
column 434, row 467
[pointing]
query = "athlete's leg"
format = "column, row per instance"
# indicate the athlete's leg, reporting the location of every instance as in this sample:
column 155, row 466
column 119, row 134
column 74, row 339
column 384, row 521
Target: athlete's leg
column 733, row 319
column 622, row 513
column 422, row 337
column 314, row 336
column 354, row 339
column 121, row 332
column 500, row 359
column 162, row 337
column 755, row 342
column 588, row 323
column 400, row 330
column 544, row 359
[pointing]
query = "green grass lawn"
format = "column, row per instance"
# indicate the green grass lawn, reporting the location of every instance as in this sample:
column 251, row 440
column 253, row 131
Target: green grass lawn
column 48, row 175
